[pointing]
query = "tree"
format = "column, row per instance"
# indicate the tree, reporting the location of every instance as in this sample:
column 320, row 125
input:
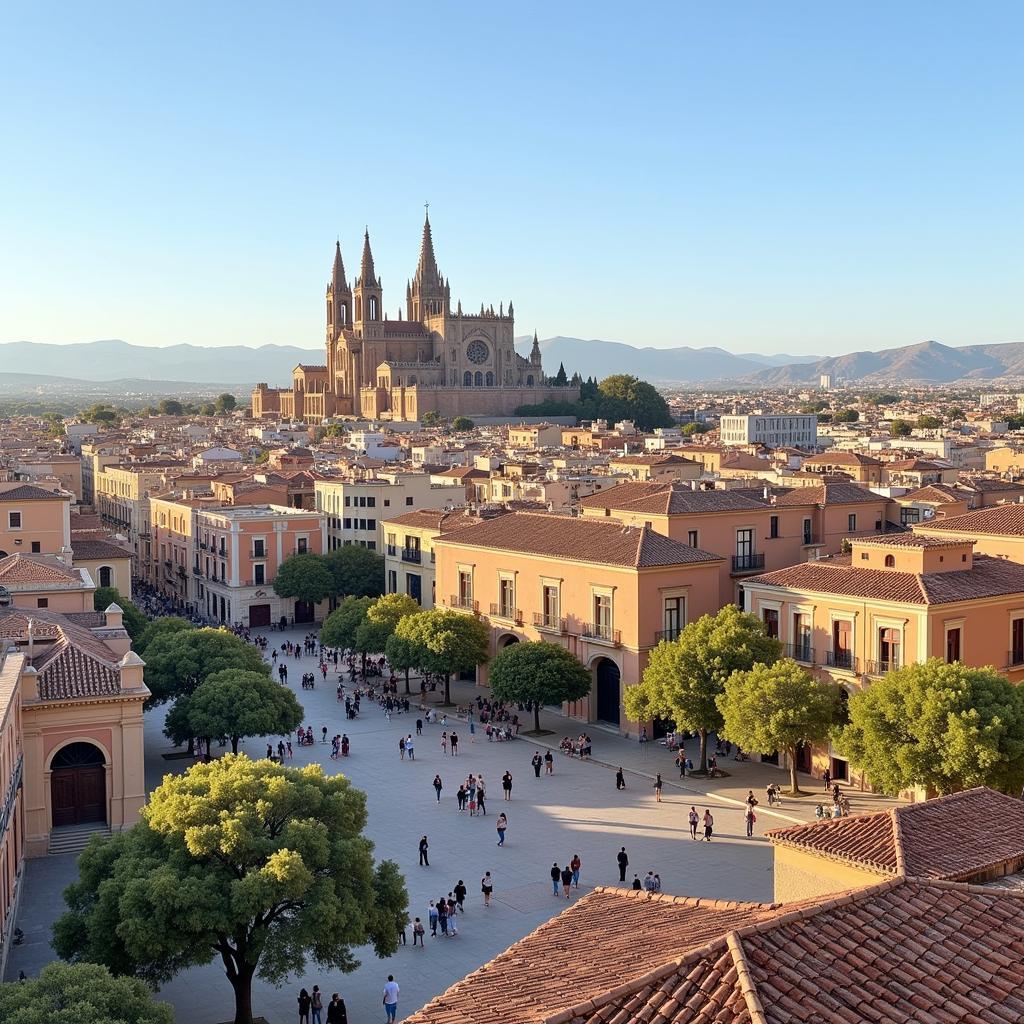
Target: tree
column 926, row 422
column 846, row 416
column 402, row 656
column 541, row 673
column 561, row 380
column 341, row 627
column 778, row 707
column 304, row 577
column 225, row 403
column 685, row 676
column 689, row 429
column 942, row 727
column 462, row 423
column 170, row 407
column 430, row 418
column 382, row 617
column 157, row 627
column 899, row 428
column 80, row 994
column 134, row 620
column 445, row 641
column 357, row 571
column 263, row 866
column 634, row 399
column 885, row 398
column 954, row 412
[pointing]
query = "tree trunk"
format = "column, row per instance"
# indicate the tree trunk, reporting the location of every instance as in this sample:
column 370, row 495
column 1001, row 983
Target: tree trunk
column 242, row 984
column 234, row 744
column 794, row 783
column 407, row 690
column 703, row 733
column 536, row 715
column 209, row 749
column 447, row 689
column 191, row 746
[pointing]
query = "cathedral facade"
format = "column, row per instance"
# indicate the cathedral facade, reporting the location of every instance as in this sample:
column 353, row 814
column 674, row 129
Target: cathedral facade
column 430, row 359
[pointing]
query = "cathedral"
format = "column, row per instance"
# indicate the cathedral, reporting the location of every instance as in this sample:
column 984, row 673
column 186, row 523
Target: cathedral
column 431, row 359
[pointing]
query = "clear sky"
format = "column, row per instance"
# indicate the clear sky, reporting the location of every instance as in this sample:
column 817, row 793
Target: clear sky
column 776, row 177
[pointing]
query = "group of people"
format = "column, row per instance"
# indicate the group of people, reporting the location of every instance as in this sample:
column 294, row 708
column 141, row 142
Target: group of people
column 580, row 747
column 568, row 876
column 312, row 1003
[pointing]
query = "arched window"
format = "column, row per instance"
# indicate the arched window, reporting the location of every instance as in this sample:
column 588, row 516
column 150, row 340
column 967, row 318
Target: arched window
column 489, row 379
column 890, row 561
column 478, row 379
column 106, row 576
column 359, row 308
column 373, row 308
column 529, row 381
column 467, row 379
column 344, row 313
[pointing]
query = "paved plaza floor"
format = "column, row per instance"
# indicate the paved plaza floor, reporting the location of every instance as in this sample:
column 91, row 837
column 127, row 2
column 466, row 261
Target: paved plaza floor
column 576, row 810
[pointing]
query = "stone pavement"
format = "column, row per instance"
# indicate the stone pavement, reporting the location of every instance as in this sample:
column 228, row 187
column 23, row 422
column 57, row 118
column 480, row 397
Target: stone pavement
column 576, row 810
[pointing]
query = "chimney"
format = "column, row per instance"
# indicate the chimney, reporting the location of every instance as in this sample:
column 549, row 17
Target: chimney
column 114, row 615
column 131, row 666
column 29, row 684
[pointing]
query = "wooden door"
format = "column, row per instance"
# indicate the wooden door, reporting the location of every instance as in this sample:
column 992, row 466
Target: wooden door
column 62, row 790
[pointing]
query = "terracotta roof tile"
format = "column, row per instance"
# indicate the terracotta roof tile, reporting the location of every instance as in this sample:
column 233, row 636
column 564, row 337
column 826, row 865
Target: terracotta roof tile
column 828, row 494
column 670, row 499
column 28, row 492
column 29, row 569
column 85, row 550
column 1007, row 520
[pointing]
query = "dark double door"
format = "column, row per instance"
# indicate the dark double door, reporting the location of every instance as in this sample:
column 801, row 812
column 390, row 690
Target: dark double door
column 78, row 786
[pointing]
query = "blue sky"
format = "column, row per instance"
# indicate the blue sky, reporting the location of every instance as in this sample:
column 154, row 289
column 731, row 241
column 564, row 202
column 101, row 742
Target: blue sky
column 787, row 177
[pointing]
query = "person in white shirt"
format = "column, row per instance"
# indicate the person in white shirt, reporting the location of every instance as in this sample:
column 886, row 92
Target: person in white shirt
column 391, row 998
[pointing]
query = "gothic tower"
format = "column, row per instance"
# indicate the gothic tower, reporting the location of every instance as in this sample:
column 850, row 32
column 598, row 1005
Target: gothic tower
column 367, row 292
column 428, row 293
column 339, row 299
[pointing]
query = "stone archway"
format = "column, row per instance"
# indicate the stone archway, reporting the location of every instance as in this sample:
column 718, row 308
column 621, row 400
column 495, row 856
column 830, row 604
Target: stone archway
column 507, row 641
column 78, row 785
column 609, row 691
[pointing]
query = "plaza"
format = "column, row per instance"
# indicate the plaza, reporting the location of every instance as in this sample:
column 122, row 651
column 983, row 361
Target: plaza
column 575, row 810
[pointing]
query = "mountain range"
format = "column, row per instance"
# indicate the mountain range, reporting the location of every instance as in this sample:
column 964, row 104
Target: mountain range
column 33, row 367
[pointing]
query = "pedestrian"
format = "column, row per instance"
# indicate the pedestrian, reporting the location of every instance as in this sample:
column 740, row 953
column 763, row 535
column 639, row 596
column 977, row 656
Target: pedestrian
column 620, row 779
column 566, row 880
column 556, row 877
column 391, row 991
column 623, row 861
column 401, row 934
column 480, row 795
column 657, row 788
column 417, row 933
column 637, row 884
column 419, row 726
column 576, row 864
column 649, row 881
column 826, row 777
column 487, row 887
column 336, row 1012
column 506, row 784
column 460, row 796
column 656, row 883
column 444, row 743
column 501, row 826
column 751, row 800
column 424, row 846
column 460, row 895
column 453, row 917
column 442, row 915
column 304, row 1004
column 681, row 762
column 432, row 919
column 316, row 1002
column 694, row 819
column 409, row 747
column 455, row 744
column 438, row 786
column 549, row 763
column 401, row 747
column 709, row 825
column 535, row 761
column 750, row 818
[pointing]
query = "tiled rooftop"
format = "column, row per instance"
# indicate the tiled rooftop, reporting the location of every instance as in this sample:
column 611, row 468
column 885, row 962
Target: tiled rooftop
column 1000, row 519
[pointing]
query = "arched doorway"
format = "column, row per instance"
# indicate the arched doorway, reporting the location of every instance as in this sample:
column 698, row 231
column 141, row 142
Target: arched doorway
column 305, row 611
column 507, row 641
column 78, row 785
column 608, row 691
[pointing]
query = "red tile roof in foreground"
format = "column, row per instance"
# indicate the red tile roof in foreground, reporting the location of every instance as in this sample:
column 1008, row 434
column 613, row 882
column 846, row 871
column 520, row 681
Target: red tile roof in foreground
column 958, row 836
column 905, row 950
column 1006, row 520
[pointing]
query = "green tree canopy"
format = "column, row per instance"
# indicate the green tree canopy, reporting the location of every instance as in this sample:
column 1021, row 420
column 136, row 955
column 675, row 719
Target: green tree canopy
column 225, row 403
column 778, row 707
column 927, row 422
column 80, row 994
column 342, row 625
column 260, row 866
column 684, row 677
column 402, row 656
column 539, row 672
column 134, row 620
column 382, row 617
column 445, row 642
column 462, row 423
column 943, row 727
column 305, row 577
column 170, row 407
column 695, row 427
column 429, row 418
column 357, row 571
column 955, row 412
column 561, row 380
column 899, row 428
column 846, row 416
column 235, row 703
column 628, row 397
column 157, row 627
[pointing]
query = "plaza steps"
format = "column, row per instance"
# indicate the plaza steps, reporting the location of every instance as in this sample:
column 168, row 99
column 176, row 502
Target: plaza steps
column 73, row 838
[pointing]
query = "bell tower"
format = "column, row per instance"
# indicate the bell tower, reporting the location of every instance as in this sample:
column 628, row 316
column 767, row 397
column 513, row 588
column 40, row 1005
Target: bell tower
column 367, row 293
column 339, row 299
column 428, row 293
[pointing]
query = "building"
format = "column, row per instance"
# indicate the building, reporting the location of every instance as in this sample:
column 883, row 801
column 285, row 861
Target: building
column 797, row 430
column 436, row 359
column 894, row 600
column 860, row 468
column 605, row 591
column 34, row 520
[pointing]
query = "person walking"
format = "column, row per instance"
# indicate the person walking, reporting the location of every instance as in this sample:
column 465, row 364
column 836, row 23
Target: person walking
column 444, row 743
column 623, row 862
column 438, row 786
column 409, row 747
column 481, row 806
column 401, row 747
column 657, row 788
column 501, row 826
column 694, row 818
column 442, row 915
column 391, row 991
column 419, row 726
column 576, row 864
column 424, row 846
column 556, row 877
column 487, row 887
column 749, row 817
column 709, row 825
column 566, row 880
column 506, row 784
column 460, row 796
column 537, row 763
column 417, row 933
column 620, row 779
column 826, row 777
column 432, row 919
column 681, row 762
column 304, row 1003
column 549, row 763
column 316, row 1004
column 460, row 895
column 454, row 741
column 336, row 1012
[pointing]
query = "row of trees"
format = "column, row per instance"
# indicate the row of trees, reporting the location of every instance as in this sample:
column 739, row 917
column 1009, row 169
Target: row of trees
column 619, row 397
column 348, row 571
column 940, row 726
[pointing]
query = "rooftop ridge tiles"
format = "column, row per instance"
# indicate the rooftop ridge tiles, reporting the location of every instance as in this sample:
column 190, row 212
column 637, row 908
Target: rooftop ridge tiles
column 897, row 842
column 747, row 985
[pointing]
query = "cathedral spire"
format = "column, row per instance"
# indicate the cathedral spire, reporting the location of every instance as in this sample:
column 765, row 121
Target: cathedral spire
column 535, row 351
column 367, row 275
column 338, row 282
column 426, row 271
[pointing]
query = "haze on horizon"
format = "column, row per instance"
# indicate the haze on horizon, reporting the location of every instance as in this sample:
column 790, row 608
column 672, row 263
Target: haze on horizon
column 808, row 179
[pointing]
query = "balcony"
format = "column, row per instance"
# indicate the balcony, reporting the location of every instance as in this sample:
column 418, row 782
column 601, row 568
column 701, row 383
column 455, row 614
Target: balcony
column 1015, row 659
column 601, row 633
column 747, row 563
column 550, row 623
column 668, row 634
column 843, row 660
column 466, row 604
column 803, row 652
column 412, row 555
column 506, row 612
column 880, row 668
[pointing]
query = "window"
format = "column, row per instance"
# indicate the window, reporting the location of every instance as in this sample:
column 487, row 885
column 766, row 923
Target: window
column 371, row 524
column 259, row 548
column 890, row 561
column 348, row 501
column 489, row 379
column 371, row 545
column 888, row 649
column 807, row 532
column 673, row 617
column 36, row 547
column 301, row 545
column 106, row 576
column 851, row 522
column 42, row 602
column 347, row 522
column 259, row 573
column 371, row 502
column 467, row 379
column 408, row 500
column 802, row 637
column 465, row 596
column 387, row 503
column 1017, row 642
column 771, row 621
column 361, row 501
column 507, row 597
column 14, row 520
column 392, row 581
column 550, row 602
column 744, row 543
column 691, row 539
column 909, row 515
column 953, row 645
column 773, row 524
column 414, row 587
column 478, row 379
column 603, row 616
